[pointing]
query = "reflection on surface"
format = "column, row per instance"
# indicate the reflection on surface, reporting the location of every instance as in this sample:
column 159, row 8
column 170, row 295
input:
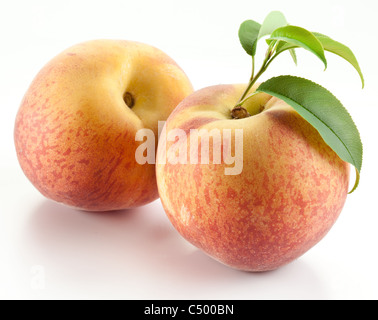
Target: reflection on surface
column 138, row 254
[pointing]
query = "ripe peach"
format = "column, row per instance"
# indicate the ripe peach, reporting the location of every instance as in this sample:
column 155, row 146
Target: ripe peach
column 75, row 130
column 285, row 198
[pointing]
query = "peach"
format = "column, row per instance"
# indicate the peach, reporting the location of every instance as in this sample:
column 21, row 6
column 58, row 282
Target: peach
column 76, row 126
column 287, row 192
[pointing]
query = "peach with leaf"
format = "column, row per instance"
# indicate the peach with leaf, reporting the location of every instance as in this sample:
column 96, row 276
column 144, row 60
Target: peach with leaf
column 298, row 142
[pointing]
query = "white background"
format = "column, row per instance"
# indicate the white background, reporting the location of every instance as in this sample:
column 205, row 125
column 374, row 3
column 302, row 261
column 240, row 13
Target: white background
column 48, row 251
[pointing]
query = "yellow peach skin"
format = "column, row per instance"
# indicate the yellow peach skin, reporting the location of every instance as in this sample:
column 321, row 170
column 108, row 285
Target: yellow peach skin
column 75, row 134
column 287, row 197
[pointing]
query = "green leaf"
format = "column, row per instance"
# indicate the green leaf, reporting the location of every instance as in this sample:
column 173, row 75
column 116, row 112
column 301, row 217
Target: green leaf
column 282, row 46
column 248, row 36
column 323, row 111
column 273, row 21
column 300, row 37
column 341, row 50
column 293, row 55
